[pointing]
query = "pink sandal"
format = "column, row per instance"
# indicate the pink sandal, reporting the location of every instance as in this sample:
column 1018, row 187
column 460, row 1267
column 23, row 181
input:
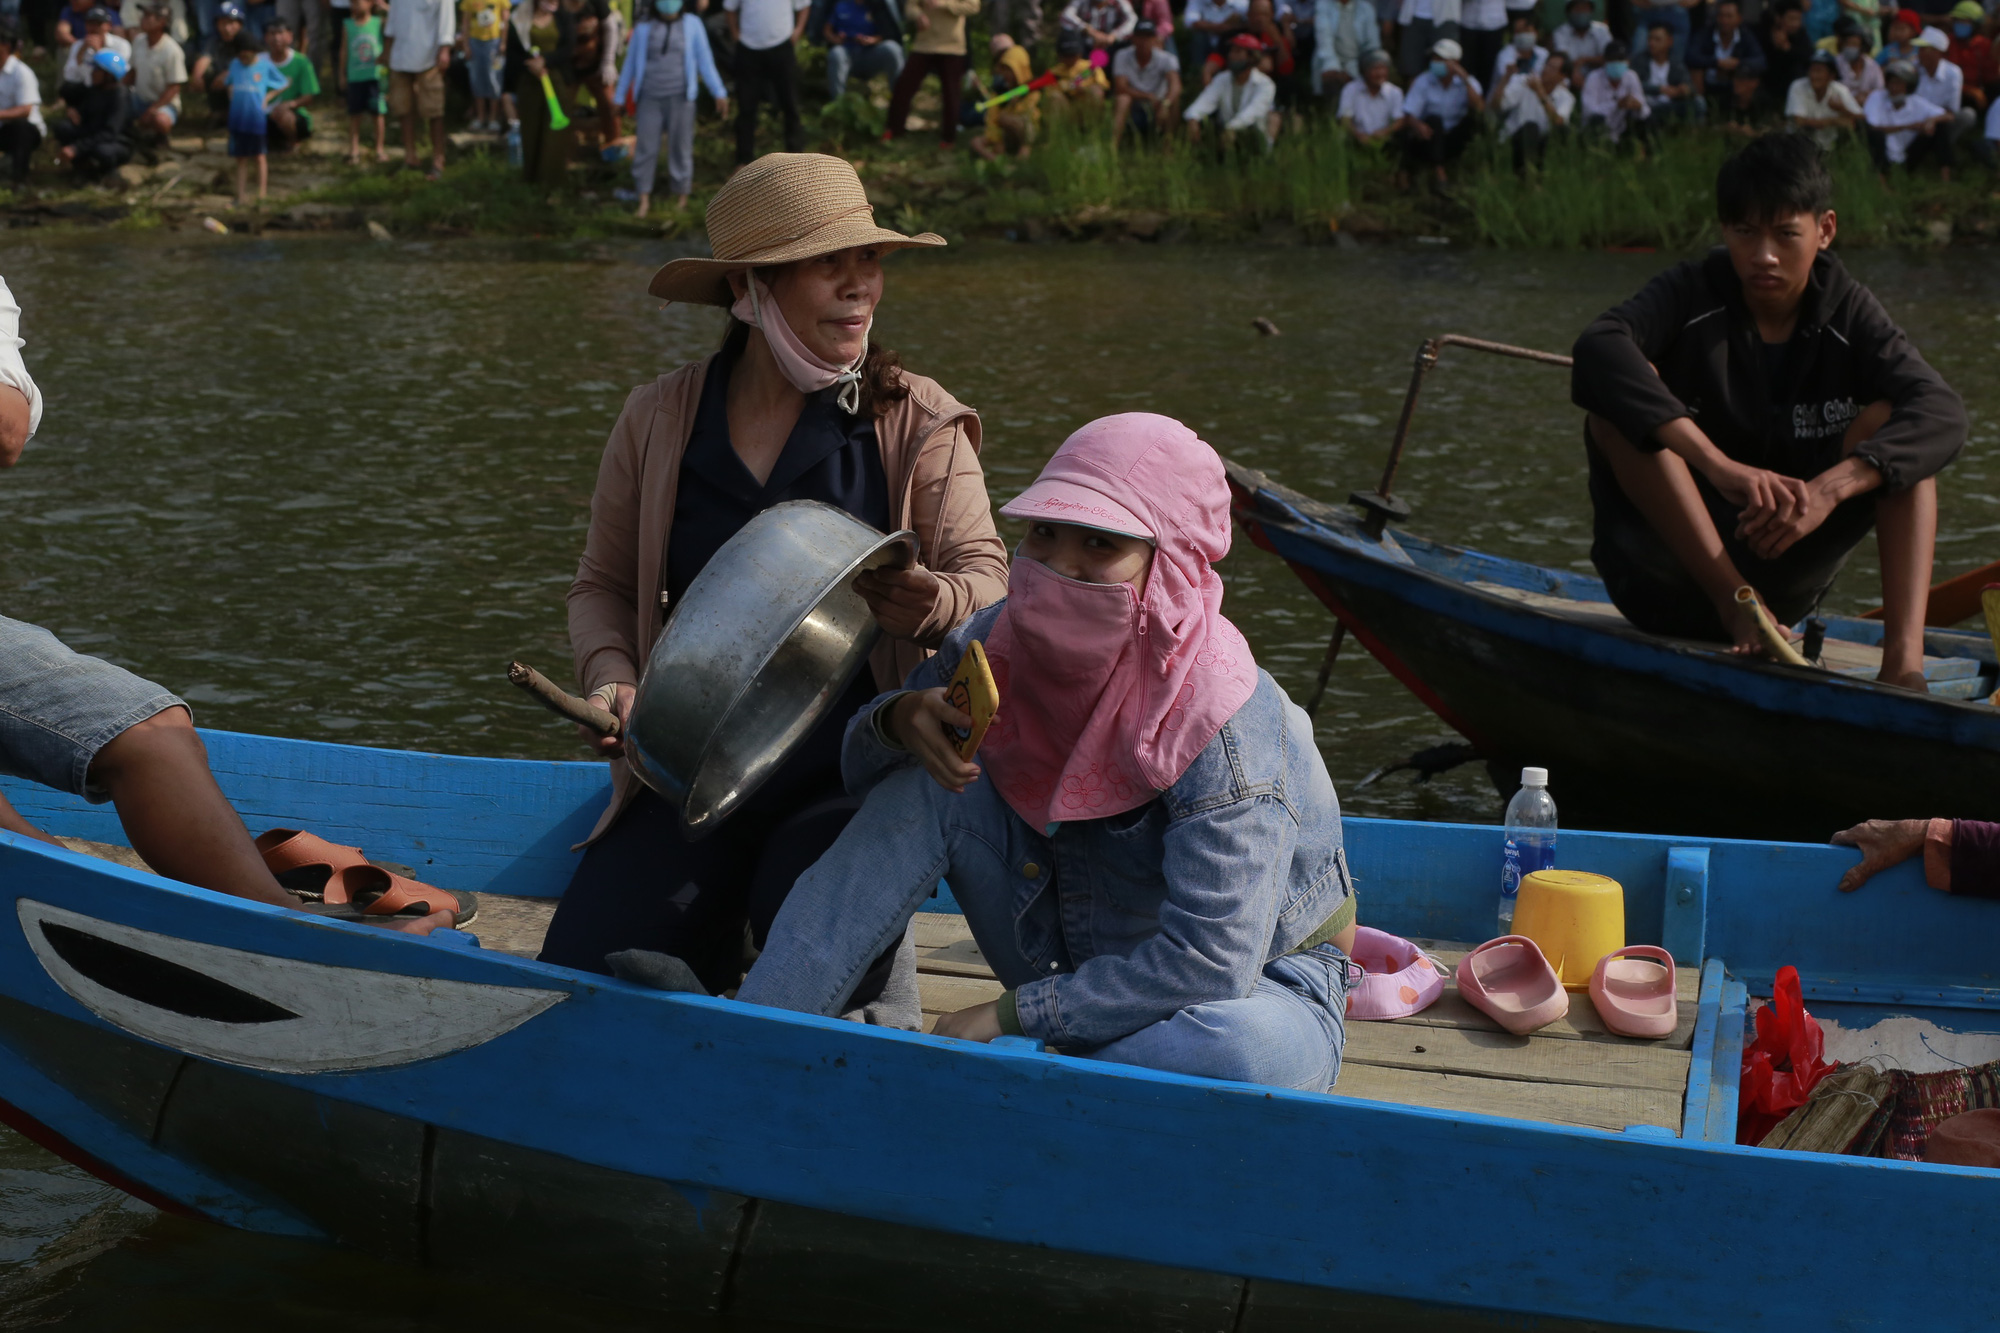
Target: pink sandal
column 1634, row 989
column 1510, row 982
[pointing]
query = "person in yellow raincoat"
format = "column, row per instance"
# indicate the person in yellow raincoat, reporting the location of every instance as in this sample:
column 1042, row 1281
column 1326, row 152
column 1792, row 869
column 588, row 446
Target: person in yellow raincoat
column 1010, row 126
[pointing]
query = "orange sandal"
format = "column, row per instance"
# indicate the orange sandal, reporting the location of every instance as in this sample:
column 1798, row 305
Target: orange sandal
column 304, row 862
column 376, row 892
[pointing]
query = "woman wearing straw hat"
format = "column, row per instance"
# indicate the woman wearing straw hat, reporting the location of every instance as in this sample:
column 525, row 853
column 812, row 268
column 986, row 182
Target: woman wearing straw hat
column 796, row 405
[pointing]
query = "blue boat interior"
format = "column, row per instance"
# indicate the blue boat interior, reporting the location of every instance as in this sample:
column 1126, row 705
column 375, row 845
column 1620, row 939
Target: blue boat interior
column 1731, row 913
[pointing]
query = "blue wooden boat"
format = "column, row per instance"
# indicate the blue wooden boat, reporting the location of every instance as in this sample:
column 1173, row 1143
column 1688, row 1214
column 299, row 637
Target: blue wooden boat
column 466, row 1108
column 1535, row 666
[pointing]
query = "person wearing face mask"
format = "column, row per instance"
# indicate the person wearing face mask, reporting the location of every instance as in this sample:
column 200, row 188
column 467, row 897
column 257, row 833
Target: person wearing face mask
column 800, row 403
column 1942, row 84
column 1614, row 102
column 1439, row 115
column 1146, row 845
column 1243, row 98
column 1582, row 39
column 1972, row 51
column 1904, row 129
column 1524, row 53
column 1857, row 70
column 667, row 64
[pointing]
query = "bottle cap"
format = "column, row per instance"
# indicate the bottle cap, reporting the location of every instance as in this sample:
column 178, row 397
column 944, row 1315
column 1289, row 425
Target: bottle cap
column 1534, row 777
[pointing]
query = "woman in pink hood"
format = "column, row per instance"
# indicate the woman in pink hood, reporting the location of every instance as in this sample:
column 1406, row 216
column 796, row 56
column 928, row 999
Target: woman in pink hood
column 1148, row 848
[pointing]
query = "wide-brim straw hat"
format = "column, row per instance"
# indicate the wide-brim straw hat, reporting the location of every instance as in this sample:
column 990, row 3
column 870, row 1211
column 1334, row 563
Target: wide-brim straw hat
column 780, row 208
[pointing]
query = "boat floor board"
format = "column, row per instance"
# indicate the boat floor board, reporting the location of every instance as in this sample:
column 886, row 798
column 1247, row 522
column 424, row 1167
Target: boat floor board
column 1555, row 1103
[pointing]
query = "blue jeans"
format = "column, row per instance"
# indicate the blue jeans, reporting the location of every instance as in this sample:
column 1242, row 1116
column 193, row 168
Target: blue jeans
column 58, row 708
column 844, row 62
column 857, row 899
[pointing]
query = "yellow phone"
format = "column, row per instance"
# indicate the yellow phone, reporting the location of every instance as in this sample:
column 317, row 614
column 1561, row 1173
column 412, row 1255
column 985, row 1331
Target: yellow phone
column 973, row 693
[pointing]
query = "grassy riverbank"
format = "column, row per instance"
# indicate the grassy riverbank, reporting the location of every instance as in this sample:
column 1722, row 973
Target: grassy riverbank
column 1316, row 186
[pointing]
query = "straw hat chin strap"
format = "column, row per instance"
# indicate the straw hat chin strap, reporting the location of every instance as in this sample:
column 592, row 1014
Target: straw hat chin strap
column 807, row 372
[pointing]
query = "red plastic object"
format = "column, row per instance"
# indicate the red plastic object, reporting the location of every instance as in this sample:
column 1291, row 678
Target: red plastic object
column 1783, row 1064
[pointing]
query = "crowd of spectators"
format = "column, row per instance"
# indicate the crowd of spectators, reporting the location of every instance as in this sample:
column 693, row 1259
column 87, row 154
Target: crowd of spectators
column 1414, row 81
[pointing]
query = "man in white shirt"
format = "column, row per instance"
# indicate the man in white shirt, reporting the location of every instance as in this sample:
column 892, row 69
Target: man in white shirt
column 1902, row 127
column 1371, row 107
column 1524, row 54
column 159, row 68
column 1941, row 82
column 1820, row 104
column 1614, row 101
column 1438, row 113
column 21, row 123
column 418, row 36
column 1535, row 107
column 97, row 36
column 1420, row 25
column 1146, row 80
column 1345, row 34
column 1240, row 99
column 767, row 35
column 1582, row 38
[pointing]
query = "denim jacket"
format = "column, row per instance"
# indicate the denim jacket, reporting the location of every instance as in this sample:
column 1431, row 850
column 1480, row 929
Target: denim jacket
column 1180, row 902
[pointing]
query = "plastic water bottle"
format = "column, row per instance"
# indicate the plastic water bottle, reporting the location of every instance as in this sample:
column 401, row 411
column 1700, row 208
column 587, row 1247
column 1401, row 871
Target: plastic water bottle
column 514, row 143
column 1531, row 839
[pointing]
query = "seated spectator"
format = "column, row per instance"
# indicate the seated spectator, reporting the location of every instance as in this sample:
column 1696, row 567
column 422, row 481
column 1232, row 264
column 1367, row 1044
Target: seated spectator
column 1668, row 87
column 1146, row 81
column 862, row 37
column 289, row 120
column 1726, row 61
column 97, row 36
column 1942, row 84
column 1345, row 34
column 1524, row 45
column 1371, row 108
column 1080, row 87
column 1961, row 856
column 1820, row 104
column 1010, row 126
column 1536, row 107
column 1210, row 25
column 74, row 19
column 1278, row 59
column 1107, row 24
column 1238, row 101
column 1438, row 113
column 21, row 123
column 1614, row 103
column 211, row 67
column 1786, row 50
column 1972, row 51
column 1903, row 30
column 1859, row 73
column 159, row 68
column 1903, row 128
column 96, row 135
column 1582, row 39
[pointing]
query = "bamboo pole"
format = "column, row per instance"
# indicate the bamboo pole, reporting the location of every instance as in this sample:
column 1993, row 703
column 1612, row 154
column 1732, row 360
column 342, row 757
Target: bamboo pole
column 1780, row 647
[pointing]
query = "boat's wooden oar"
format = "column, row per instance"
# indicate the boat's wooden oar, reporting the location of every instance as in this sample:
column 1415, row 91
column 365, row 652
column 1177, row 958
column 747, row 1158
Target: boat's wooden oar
column 1953, row 600
column 558, row 700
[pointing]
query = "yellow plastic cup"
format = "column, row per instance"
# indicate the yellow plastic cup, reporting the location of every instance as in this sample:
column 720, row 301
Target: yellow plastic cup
column 1575, row 917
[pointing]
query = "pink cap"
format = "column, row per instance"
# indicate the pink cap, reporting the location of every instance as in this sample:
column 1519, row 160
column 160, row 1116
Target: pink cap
column 1061, row 500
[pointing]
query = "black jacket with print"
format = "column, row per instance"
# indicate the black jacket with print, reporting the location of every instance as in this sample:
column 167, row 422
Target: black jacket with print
column 1845, row 353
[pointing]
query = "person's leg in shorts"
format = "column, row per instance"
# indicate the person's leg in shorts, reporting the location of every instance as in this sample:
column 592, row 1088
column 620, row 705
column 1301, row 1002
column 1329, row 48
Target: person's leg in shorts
column 86, row 727
column 244, row 148
column 482, row 68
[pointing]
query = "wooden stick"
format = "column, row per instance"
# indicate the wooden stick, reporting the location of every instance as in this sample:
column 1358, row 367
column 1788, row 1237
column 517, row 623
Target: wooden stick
column 1780, row 647
column 561, row 702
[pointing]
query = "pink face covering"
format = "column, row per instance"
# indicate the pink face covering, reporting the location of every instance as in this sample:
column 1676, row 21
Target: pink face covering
column 1107, row 696
column 798, row 363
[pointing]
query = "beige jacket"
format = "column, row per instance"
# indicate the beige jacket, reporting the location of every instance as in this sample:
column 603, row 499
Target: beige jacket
column 930, row 453
column 946, row 34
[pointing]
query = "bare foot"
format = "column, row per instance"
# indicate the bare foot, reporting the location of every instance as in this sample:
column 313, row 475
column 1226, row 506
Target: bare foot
column 1749, row 642
column 383, row 155
column 424, row 925
column 645, row 206
column 1908, row 680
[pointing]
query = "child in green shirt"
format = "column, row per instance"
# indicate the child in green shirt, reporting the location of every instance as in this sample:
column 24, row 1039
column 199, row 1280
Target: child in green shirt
column 290, row 121
column 364, row 76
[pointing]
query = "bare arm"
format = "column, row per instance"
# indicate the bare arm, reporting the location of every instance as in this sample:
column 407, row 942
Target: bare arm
column 13, row 424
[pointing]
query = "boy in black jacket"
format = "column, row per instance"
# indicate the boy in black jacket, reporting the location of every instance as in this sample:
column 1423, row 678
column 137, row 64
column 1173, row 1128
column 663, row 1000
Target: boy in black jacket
column 1752, row 415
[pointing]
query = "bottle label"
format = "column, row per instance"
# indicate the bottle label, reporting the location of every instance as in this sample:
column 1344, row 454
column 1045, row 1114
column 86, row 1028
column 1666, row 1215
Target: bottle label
column 1521, row 859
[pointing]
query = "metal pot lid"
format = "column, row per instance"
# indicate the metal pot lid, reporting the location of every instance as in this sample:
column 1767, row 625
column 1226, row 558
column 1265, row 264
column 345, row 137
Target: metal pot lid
column 765, row 639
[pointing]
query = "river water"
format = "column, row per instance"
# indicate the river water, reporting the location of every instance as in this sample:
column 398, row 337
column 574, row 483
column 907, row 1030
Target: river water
column 326, row 489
